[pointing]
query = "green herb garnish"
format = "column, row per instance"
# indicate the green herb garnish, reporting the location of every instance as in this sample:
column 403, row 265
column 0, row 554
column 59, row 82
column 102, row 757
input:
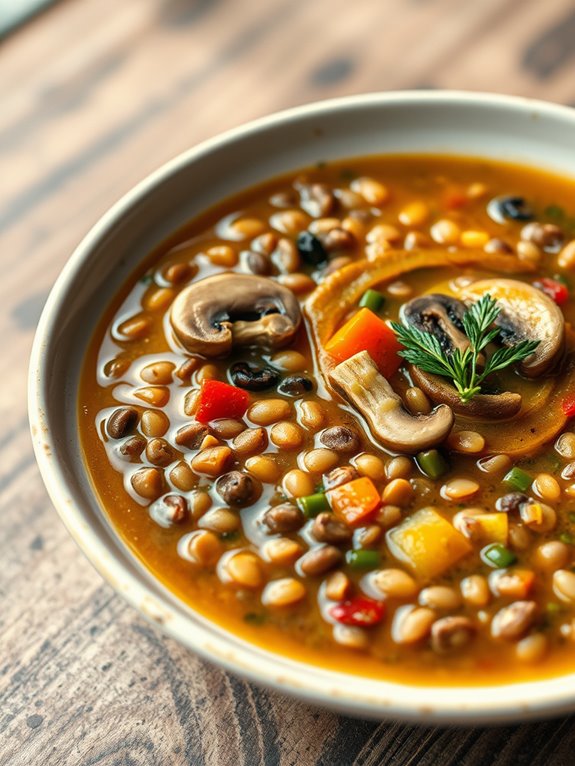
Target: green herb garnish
column 424, row 350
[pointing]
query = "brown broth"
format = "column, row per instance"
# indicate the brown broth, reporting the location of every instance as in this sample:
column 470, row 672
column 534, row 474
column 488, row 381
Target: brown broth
column 300, row 631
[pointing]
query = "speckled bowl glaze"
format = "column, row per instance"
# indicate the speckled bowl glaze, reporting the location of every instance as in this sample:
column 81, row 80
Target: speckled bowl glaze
column 498, row 127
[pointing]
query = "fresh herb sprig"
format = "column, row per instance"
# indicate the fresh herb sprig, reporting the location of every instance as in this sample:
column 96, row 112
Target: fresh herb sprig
column 461, row 366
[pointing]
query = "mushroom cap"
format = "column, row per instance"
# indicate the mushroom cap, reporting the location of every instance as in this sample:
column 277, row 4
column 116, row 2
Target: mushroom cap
column 438, row 389
column 212, row 315
column 441, row 315
column 526, row 314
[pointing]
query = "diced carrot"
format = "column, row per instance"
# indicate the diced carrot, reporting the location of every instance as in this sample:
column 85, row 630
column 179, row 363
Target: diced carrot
column 355, row 501
column 367, row 332
column 515, row 583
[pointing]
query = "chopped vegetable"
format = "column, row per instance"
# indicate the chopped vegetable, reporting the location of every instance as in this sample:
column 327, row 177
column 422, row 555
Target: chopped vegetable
column 515, row 583
column 363, row 559
column 432, row 463
column 428, row 543
column 518, row 479
column 355, row 501
column 358, row 611
column 424, row 350
column 556, row 290
column 367, row 332
column 568, row 405
column 312, row 505
column 220, row 400
column 497, row 555
column 372, row 300
column 567, row 538
column 493, row 527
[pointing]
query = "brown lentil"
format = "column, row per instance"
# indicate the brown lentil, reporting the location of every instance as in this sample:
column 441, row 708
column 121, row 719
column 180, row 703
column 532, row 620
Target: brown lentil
column 297, row 483
column 159, row 373
column 154, row 423
column 148, row 483
column 320, row 560
column 284, row 592
column 268, row 411
column 286, row 435
column 250, row 441
column 122, row 422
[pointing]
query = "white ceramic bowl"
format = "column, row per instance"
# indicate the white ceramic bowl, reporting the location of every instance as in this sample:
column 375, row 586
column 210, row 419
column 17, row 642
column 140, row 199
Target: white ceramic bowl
column 500, row 127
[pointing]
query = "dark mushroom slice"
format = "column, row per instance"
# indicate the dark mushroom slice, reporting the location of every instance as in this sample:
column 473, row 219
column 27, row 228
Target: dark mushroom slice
column 212, row 315
column 526, row 314
column 440, row 391
column 440, row 315
column 509, row 208
column 359, row 381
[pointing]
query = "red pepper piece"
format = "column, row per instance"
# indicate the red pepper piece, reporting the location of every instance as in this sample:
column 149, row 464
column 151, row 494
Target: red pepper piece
column 358, row 611
column 455, row 198
column 568, row 406
column 220, row 400
column 556, row 290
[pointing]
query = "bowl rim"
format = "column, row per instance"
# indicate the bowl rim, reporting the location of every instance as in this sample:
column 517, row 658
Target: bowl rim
column 324, row 687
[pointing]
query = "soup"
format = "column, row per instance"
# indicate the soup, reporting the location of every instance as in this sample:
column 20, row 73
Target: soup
column 332, row 414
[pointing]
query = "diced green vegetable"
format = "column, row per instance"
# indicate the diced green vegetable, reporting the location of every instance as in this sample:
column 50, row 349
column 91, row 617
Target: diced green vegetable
column 572, row 517
column 567, row 538
column 363, row 559
column 254, row 618
column 497, row 555
column 555, row 212
column 372, row 300
column 311, row 505
column 518, row 479
column 432, row 463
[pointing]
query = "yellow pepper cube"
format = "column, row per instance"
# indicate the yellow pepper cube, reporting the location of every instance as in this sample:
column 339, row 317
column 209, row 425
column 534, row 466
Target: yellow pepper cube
column 494, row 527
column 427, row 543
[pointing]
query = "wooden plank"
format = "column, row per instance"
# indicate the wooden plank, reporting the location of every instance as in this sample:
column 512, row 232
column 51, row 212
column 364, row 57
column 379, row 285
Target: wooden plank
column 95, row 94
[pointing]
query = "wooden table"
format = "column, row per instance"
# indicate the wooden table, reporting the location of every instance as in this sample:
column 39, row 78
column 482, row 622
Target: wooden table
column 94, row 94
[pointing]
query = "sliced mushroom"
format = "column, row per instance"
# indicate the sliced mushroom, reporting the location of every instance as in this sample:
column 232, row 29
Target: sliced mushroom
column 526, row 314
column 360, row 382
column 439, row 390
column 440, row 315
column 214, row 314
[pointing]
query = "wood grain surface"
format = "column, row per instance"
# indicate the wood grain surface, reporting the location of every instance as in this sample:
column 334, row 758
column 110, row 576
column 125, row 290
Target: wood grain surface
column 94, row 94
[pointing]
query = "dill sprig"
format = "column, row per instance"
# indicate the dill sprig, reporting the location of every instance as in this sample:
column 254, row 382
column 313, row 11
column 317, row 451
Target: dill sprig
column 423, row 349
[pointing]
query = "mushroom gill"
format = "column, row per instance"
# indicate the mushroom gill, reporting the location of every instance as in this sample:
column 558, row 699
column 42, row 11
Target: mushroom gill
column 212, row 315
column 441, row 315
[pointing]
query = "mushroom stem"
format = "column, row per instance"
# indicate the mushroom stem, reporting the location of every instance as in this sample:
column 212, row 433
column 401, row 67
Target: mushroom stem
column 359, row 381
